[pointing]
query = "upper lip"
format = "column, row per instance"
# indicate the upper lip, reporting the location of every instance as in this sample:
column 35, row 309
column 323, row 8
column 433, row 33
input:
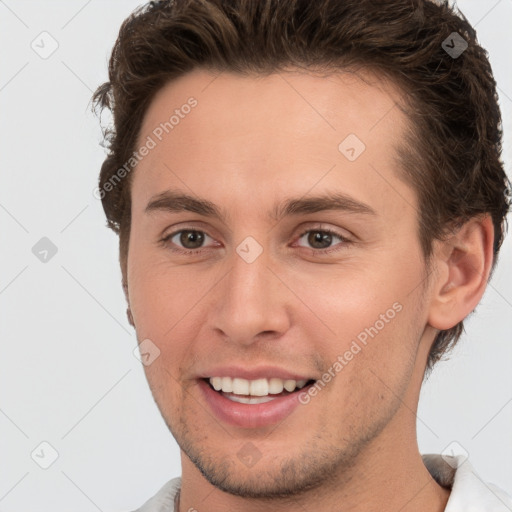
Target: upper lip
column 259, row 372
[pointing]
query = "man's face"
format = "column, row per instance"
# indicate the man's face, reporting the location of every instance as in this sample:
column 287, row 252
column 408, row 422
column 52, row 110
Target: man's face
column 262, row 291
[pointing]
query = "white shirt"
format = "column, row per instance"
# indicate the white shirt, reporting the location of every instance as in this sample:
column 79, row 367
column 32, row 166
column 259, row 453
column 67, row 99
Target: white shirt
column 468, row 492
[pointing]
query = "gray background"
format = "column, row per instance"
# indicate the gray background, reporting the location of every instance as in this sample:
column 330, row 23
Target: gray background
column 68, row 375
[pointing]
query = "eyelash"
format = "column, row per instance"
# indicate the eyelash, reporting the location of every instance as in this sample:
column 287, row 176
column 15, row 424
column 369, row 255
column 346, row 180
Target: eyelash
column 166, row 241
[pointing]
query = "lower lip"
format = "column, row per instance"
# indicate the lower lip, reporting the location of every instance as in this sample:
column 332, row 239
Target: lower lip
column 250, row 415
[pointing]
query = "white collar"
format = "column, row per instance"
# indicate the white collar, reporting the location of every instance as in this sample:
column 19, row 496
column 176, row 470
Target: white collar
column 469, row 493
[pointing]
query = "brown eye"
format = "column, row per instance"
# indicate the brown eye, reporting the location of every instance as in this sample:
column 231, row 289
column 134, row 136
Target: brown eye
column 191, row 239
column 319, row 239
column 185, row 240
column 322, row 239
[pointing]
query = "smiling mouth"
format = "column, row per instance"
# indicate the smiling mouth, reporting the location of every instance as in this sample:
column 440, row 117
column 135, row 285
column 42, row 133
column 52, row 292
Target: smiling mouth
column 262, row 397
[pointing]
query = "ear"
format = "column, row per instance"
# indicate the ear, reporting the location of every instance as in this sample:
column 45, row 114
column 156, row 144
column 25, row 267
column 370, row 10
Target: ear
column 463, row 265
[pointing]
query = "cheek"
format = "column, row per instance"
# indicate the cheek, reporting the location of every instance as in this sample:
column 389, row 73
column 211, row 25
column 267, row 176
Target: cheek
column 162, row 302
column 371, row 359
column 157, row 305
column 374, row 316
column 161, row 294
column 355, row 297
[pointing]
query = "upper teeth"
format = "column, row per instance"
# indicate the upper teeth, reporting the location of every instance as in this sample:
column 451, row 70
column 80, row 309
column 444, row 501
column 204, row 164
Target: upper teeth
column 258, row 387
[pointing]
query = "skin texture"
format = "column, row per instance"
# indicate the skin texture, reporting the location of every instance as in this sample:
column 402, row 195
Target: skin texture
column 252, row 142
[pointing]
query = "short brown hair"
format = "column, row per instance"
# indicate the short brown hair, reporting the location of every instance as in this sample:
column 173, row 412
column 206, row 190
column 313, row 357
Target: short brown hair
column 452, row 157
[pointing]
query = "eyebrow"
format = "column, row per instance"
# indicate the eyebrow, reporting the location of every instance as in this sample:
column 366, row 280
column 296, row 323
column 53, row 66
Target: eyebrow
column 174, row 201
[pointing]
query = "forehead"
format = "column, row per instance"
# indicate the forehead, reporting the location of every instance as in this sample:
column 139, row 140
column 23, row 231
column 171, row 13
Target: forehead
column 325, row 102
column 287, row 131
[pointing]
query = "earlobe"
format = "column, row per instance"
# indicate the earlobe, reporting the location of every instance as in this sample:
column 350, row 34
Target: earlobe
column 464, row 264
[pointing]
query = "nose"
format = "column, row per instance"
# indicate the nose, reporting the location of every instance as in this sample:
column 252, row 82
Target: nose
column 251, row 301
